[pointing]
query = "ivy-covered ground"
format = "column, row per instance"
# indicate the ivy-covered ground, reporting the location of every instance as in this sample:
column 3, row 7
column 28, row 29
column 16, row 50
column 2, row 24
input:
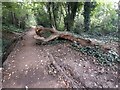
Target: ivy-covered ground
column 108, row 58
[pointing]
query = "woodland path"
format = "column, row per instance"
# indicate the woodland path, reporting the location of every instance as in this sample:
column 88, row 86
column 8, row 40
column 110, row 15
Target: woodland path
column 53, row 66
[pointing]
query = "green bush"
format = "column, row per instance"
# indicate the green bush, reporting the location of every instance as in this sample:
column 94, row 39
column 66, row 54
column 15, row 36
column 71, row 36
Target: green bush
column 12, row 28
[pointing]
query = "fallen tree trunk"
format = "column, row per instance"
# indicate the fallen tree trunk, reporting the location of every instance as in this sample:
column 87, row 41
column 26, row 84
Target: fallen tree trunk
column 40, row 35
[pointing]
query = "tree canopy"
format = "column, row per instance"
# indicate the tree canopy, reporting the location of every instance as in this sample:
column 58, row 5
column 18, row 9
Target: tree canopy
column 71, row 16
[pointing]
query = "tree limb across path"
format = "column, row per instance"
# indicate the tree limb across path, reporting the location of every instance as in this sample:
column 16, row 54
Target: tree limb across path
column 40, row 35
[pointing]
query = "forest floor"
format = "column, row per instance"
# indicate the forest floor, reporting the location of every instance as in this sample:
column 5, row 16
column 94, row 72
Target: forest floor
column 54, row 66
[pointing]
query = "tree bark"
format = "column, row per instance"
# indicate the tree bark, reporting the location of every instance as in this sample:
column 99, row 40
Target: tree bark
column 70, row 14
column 59, row 34
column 119, row 26
column 65, row 35
column 87, row 11
column 54, row 14
column 49, row 11
column 119, row 18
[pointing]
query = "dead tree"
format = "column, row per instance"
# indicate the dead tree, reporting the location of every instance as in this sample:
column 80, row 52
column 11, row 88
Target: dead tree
column 40, row 30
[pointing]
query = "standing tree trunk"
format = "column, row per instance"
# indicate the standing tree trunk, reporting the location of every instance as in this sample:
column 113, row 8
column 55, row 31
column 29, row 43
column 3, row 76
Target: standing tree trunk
column 54, row 13
column 13, row 18
column 119, row 18
column 70, row 15
column 16, row 20
column 87, row 10
column 49, row 12
column 22, row 22
column 119, row 38
column 67, row 18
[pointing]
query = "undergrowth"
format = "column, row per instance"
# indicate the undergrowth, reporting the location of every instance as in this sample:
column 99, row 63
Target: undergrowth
column 11, row 28
column 108, row 58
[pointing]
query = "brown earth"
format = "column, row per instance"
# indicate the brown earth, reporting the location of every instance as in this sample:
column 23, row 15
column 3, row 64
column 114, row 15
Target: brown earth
column 53, row 66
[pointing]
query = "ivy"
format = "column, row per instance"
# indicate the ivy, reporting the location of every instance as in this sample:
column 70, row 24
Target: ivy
column 108, row 58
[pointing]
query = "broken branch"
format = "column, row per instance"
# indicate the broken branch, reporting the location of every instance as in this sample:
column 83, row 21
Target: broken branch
column 59, row 34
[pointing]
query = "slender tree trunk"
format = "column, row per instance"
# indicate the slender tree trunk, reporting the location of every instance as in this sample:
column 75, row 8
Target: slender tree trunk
column 119, row 37
column 16, row 20
column 49, row 12
column 74, row 7
column 119, row 17
column 11, row 17
column 19, row 23
column 54, row 15
column 66, row 19
column 70, row 16
column 23, row 23
column 87, row 11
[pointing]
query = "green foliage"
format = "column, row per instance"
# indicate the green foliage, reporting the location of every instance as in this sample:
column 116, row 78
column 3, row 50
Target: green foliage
column 11, row 28
column 16, row 16
column 40, row 14
column 104, row 58
column 19, row 14
column 5, row 42
column 79, row 24
column 31, row 21
column 103, row 15
column 104, row 18
column 3, row 45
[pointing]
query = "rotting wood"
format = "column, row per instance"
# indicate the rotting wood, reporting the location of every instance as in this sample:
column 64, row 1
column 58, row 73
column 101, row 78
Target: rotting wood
column 59, row 34
column 40, row 30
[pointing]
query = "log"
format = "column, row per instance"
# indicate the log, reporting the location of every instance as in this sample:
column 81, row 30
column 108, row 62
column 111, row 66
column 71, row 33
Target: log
column 40, row 36
column 40, row 30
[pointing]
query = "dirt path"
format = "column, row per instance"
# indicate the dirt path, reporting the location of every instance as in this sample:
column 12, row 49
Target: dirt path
column 38, row 66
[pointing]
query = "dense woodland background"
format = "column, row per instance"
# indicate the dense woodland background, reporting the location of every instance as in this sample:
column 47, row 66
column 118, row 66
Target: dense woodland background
column 91, row 62
column 94, row 19
column 71, row 16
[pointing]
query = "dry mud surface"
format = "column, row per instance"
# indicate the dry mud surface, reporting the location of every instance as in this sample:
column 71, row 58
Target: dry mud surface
column 53, row 66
